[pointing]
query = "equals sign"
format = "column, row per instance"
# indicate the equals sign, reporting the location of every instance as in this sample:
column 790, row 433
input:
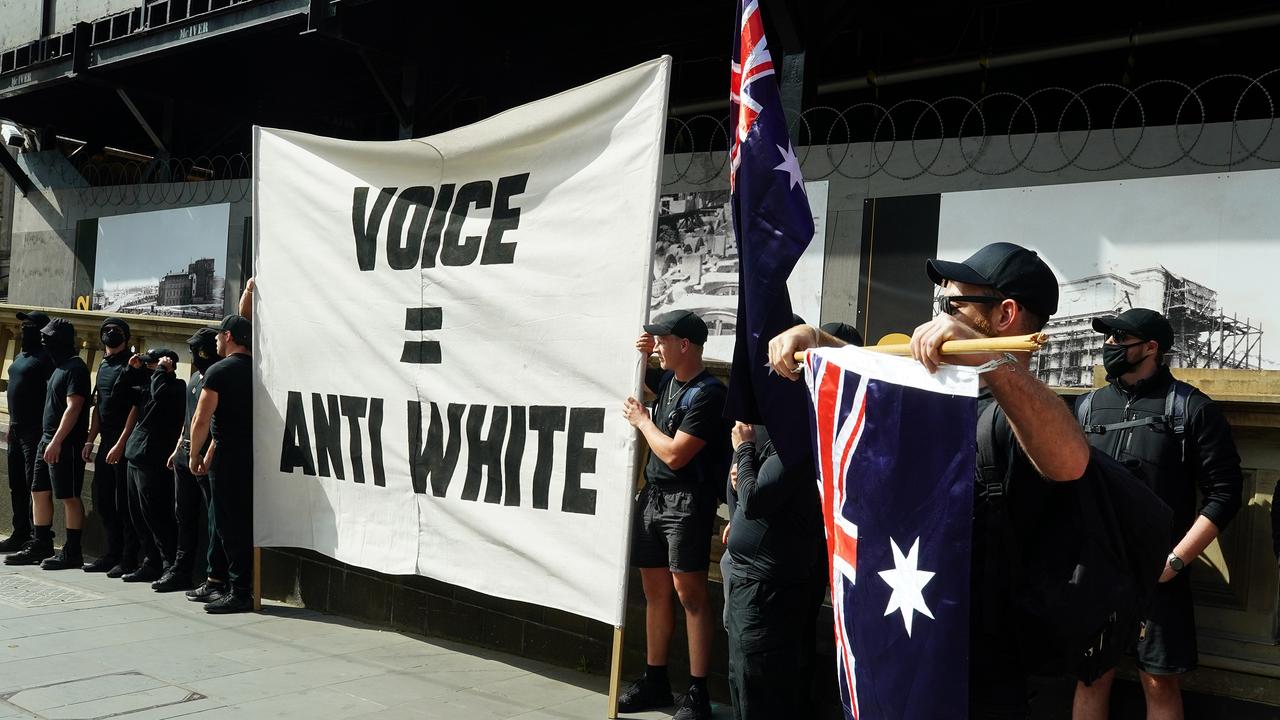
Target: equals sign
column 422, row 352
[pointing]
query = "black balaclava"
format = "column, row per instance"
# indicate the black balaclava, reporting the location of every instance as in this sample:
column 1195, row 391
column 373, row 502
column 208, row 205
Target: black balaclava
column 61, row 343
column 203, row 356
column 31, row 339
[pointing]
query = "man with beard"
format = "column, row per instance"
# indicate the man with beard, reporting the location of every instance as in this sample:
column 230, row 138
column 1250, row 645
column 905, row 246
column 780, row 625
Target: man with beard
column 1002, row 290
column 225, row 411
column 1177, row 440
column 28, row 380
column 192, row 491
column 158, row 404
column 59, row 468
column 110, row 424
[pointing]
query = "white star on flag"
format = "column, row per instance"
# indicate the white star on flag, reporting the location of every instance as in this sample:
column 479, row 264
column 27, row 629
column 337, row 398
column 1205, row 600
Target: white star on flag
column 908, row 585
column 791, row 166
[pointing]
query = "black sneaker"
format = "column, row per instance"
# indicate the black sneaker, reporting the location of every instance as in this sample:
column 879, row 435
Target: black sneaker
column 102, row 564
column 31, row 553
column 694, row 706
column 645, row 695
column 63, row 561
column 146, row 574
column 119, row 571
column 232, row 602
column 207, row 592
column 14, row 542
column 172, row 581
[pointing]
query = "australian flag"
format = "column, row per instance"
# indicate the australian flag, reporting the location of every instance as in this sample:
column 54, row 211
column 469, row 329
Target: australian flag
column 895, row 454
column 773, row 223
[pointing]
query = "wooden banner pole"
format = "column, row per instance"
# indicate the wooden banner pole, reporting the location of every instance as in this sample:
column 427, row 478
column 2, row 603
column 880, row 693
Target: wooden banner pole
column 615, row 672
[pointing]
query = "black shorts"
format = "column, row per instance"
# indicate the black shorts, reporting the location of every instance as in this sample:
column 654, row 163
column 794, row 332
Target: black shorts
column 65, row 477
column 672, row 528
column 1167, row 644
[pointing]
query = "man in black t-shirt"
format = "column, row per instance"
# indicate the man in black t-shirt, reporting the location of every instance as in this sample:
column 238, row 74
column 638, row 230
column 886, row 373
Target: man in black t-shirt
column 674, row 513
column 1002, row 290
column 192, row 492
column 110, row 425
column 158, row 404
column 28, row 380
column 59, row 469
column 225, row 411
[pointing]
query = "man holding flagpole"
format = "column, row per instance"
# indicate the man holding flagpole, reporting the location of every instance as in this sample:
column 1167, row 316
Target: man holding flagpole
column 1002, row 290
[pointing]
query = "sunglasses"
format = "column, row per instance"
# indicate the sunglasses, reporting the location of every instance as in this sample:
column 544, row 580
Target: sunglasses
column 946, row 303
column 1121, row 335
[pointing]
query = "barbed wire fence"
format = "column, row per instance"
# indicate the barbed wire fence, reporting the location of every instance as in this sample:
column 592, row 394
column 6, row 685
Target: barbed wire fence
column 996, row 134
column 1003, row 132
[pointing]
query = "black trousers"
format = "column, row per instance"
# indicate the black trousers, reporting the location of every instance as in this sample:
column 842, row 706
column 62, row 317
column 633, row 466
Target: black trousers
column 192, row 499
column 771, row 647
column 231, row 488
column 22, row 469
column 151, row 509
column 111, row 501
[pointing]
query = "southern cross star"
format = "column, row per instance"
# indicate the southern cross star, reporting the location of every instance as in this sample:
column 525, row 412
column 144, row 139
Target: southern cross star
column 908, row 585
column 791, row 166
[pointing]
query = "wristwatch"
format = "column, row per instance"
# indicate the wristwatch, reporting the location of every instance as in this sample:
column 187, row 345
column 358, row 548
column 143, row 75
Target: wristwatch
column 1175, row 563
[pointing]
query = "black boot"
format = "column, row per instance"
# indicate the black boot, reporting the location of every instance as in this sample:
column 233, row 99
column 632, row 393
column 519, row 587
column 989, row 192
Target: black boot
column 68, row 558
column 16, row 541
column 39, row 547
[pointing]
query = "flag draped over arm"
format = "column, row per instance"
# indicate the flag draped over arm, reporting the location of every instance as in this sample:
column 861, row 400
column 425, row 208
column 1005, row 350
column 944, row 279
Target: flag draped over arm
column 773, row 225
column 895, row 455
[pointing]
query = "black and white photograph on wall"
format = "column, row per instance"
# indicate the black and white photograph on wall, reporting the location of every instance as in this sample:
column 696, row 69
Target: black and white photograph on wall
column 695, row 265
column 171, row 263
column 1201, row 249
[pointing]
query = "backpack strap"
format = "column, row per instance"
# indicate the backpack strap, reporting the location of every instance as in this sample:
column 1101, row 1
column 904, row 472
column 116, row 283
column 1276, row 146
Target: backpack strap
column 1175, row 410
column 1083, row 409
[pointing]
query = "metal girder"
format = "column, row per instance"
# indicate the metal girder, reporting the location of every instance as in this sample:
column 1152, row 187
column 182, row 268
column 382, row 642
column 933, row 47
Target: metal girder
column 137, row 115
column 199, row 29
column 15, row 171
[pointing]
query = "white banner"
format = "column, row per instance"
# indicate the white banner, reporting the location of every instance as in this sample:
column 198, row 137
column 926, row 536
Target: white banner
column 444, row 334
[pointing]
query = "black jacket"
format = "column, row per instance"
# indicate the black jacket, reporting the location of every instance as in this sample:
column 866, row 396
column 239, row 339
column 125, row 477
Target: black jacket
column 1210, row 462
column 775, row 533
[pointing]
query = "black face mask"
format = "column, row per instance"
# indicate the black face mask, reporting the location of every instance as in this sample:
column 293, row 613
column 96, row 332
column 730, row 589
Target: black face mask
column 112, row 337
column 1115, row 358
column 203, row 358
column 31, row 339
column 59, row 348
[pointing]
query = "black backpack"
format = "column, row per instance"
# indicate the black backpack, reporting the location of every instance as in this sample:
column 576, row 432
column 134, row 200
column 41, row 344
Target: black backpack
column 713, row 468
column 1174, row 417
column 1082, row 580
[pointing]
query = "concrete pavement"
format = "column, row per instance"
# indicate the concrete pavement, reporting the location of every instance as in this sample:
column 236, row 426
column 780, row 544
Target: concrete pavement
column 81, row 646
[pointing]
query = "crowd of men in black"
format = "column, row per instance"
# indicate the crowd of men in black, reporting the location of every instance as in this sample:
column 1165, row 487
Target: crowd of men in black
column 775, row 568
column 168, row 451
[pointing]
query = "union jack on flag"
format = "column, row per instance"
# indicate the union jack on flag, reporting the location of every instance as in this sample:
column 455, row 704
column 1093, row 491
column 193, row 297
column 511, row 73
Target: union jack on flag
column 894, row 448
column 773, row 225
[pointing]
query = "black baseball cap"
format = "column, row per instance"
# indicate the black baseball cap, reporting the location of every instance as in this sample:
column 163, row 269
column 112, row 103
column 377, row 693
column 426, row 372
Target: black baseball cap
column 682, row 324
column 1139, row 322
column 844, row 331
column 1014, row 271
column 205, row 336
column 58, row 327
column 154, row 355
column 239, row 327
column 35, row 319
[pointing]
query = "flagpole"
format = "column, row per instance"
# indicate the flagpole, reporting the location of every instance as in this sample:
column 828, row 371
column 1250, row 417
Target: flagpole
column 1022, row 343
